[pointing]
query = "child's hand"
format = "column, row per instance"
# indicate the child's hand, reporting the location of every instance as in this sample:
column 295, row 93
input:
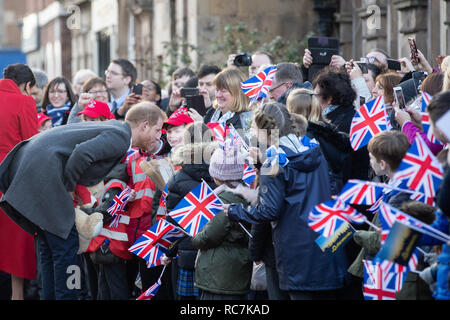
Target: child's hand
column 132, row 196
column 225, row 208
column 165, row 260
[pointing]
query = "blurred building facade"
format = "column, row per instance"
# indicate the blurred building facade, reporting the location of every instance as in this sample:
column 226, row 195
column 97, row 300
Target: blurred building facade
column 64, row 36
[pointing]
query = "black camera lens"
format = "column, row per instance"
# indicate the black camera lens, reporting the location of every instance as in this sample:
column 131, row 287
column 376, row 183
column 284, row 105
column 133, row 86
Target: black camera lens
column 243, row 60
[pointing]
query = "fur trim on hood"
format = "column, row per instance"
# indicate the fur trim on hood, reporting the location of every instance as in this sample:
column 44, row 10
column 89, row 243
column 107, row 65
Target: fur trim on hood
column 194, row 153
column 251, row 195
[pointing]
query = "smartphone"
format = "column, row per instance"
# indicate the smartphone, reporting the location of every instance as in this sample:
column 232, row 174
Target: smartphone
column 363, row 66
column 394, row 64
column 414, row 52
column 186, row 92
column 137, row 89
column 362, row 100
column 399, row 97
column 197, row 103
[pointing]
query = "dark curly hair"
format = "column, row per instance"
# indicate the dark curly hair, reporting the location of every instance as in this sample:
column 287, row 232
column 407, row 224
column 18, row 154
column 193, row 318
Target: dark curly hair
column 337, row 85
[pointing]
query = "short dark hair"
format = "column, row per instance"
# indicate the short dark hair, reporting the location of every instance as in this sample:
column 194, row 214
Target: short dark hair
column 158, row 91
column 70, row 94
column 128, row 69
column 206, row 70
column 19, row 73
column 288, row 72
column 376, row 71
column 181, row 72
column 439, row 106
column 337, row 85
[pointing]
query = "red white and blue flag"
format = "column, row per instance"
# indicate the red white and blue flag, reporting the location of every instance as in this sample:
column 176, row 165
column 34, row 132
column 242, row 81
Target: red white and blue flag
column 382, row 280
column 219, row 130
column 118, row 205
column 132, row 154
column 370, row 119
column 197, row 208
column 420, row 169
column 328, row 217
column 425, row 117
column 162, row 200
column 257, row 87
column 236, row 139
column 156, row 241
column 249, row 175
column 361, row 192
column 150, row 292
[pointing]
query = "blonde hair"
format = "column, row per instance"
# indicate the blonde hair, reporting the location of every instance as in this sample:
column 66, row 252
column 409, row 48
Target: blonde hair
column 304, row 102
column 230, row 79
column 446, row 85
column 445, row 64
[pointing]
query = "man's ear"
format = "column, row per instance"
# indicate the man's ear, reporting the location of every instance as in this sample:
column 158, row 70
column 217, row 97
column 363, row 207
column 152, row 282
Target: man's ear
column 127, row 81
column 28, row 87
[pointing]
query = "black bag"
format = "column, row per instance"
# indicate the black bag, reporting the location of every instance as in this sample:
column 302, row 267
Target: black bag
column 103, row 255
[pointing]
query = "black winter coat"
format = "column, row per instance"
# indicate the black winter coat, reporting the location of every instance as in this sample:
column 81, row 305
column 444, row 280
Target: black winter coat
column 184, row 180
column 359, row 169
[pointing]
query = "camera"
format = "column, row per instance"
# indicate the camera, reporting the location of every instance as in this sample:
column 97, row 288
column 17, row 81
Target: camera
column 186, row 92
column 243, row 60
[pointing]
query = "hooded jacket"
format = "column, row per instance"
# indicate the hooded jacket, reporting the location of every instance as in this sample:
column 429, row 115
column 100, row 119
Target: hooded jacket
column 223, row 265
column 286, row 200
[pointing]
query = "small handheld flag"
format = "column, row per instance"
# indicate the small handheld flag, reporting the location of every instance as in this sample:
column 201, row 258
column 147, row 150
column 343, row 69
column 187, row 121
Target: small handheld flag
column 370, row 119
column 197, row 208
column 420, row 169
column 257, row 87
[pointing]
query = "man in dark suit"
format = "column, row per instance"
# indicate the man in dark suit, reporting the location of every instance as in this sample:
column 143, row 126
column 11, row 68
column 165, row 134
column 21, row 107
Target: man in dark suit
column 38, row 178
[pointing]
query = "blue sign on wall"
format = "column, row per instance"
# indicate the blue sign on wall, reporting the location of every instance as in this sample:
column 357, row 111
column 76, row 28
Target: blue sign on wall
column 11, row 56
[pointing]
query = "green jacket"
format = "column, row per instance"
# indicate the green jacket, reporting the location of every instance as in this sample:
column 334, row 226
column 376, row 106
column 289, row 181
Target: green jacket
column 223, row 265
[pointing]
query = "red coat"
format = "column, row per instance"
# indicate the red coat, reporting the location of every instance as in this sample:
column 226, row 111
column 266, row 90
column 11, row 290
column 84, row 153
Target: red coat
column 18, row 121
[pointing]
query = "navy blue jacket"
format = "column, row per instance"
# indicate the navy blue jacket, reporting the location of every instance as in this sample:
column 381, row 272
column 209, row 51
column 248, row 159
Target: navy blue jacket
column 286, row 201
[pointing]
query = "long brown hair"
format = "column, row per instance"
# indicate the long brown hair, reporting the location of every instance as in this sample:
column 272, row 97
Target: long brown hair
column 388, row 81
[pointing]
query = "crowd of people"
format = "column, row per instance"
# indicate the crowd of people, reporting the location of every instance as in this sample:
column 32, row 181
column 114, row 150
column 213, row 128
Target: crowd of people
column 80, row 143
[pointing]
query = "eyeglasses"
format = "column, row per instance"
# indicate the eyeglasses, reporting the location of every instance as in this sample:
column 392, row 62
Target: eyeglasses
column 61, row 92
column 273, row 89
column 98, row 91
column 114, row 73
column 372, row 60
column 149, row 88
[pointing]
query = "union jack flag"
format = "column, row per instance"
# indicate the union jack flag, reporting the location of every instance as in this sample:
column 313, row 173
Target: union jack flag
column 249, row 175
column 219, row 130
column 257, row 87
column 162, row 200
column 236, row 139
column 360, row 192
column 426, row 98
column 327, row 217
column 156, row 241
column 382, row 280
column 420, row 168
column 118, row 205
column 197, row 208
column 132, row 154
column 369, row 119
column 150, row 292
